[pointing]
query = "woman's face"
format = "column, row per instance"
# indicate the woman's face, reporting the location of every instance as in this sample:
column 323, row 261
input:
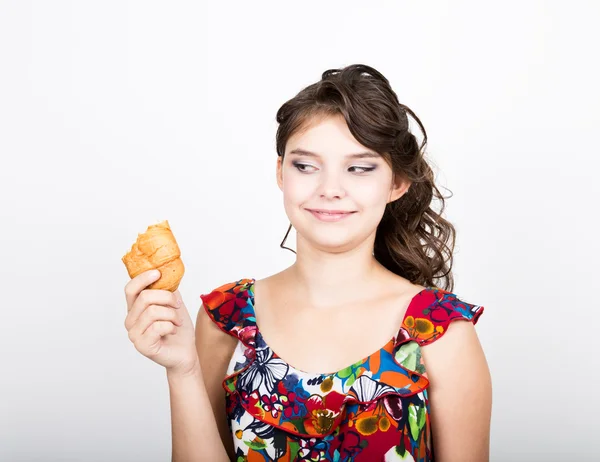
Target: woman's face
column 326, row 169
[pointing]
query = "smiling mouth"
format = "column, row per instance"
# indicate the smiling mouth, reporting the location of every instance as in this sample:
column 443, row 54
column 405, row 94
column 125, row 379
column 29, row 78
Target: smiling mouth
column 331, row 212
column 330, row 215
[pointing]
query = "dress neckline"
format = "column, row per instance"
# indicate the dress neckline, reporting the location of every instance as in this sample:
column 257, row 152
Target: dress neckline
column 388, row 345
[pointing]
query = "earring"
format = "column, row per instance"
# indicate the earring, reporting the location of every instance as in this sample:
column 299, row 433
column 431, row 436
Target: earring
column 284, row 239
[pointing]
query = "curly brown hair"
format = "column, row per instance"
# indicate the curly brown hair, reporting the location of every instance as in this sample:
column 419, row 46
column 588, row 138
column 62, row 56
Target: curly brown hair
column 412, row 240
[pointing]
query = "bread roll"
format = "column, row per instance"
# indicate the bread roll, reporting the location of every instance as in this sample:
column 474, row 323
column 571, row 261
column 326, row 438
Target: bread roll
column 156, row 249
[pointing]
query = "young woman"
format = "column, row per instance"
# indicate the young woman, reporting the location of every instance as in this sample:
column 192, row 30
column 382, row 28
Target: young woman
column 351, row 353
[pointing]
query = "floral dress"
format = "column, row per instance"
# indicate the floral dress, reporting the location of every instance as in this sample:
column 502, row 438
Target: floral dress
column 374, row 410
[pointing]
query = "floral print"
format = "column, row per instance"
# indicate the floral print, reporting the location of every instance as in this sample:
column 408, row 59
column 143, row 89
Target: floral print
column 374, row 410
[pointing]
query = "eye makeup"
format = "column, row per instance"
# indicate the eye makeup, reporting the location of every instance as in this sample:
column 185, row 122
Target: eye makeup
column 300, row 166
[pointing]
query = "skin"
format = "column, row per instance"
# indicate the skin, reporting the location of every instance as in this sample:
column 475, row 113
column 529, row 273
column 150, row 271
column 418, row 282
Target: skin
column 333, row 257
column 159, row 326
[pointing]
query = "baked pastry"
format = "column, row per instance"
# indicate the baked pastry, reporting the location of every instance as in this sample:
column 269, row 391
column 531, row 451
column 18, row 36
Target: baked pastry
column 156, row 249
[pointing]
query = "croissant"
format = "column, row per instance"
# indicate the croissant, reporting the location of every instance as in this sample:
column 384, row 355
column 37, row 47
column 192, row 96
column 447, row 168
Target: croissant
column 156, row 249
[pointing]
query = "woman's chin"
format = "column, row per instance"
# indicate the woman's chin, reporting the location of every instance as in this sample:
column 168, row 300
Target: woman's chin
column 333, row 244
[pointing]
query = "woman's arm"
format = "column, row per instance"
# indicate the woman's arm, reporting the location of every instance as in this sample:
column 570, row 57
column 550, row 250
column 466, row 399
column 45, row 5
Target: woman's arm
column 199, row 432
column 460, row 395
column 194, row 433
column 215, row 349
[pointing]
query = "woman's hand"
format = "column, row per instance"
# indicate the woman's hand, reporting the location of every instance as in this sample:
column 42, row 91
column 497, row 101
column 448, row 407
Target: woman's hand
column 159, row 327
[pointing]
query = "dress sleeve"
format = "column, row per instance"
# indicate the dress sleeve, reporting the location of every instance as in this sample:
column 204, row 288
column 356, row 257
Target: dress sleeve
column 427, row 323
column 226, row 305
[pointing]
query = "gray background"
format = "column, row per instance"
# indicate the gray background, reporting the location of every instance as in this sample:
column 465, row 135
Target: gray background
column 116, row 114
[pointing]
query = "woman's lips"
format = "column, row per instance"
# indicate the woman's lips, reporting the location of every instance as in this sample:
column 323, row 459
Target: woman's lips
column 330, row 216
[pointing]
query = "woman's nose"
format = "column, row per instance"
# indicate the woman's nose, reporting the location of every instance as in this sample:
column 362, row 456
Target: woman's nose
column 331, row 186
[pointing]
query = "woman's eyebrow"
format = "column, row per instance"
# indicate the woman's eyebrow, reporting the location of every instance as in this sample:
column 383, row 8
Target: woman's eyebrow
column 358, row 155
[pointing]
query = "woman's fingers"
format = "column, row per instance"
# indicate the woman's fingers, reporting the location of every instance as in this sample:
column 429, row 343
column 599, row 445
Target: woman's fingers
column 145, row 299
column 152, row 314
column 149, row 343
column 139, row 283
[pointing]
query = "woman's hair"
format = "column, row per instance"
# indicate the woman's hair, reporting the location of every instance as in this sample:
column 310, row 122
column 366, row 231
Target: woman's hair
column 412, row 240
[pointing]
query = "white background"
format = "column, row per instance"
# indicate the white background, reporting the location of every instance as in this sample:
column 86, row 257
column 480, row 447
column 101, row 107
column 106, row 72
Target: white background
column 116, row 114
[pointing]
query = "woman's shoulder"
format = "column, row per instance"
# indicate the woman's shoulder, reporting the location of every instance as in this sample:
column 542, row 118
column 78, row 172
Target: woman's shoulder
column 433, row 310
column 234, row 286
column 230, row 304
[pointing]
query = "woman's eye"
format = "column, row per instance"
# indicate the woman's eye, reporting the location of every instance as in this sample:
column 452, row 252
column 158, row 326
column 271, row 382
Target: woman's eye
column 301, row 167
column 305, row 168
column 363, row 169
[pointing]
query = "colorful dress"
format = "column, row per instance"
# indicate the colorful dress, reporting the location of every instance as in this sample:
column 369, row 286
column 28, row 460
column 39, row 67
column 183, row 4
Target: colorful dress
column 374, row 410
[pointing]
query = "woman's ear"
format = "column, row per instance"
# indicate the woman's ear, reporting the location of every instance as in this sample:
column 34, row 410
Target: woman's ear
column 400, row 186
column 279, row 172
